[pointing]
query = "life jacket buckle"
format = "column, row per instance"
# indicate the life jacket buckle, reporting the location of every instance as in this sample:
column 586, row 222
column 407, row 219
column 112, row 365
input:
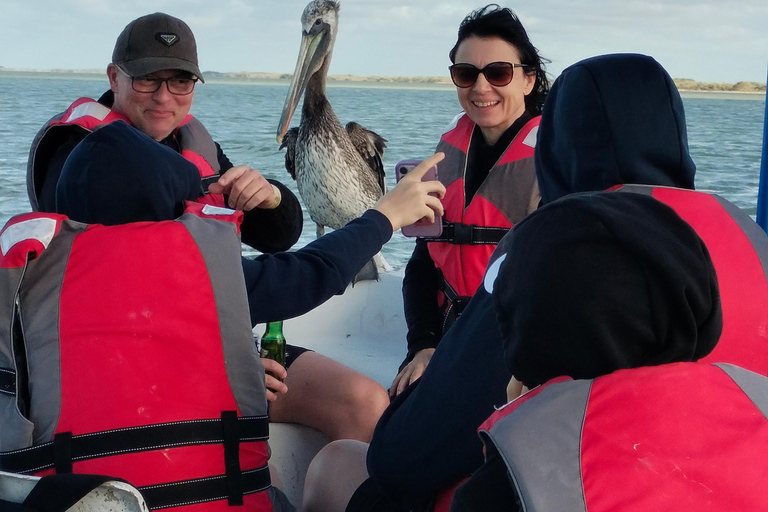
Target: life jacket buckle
column 462, row 234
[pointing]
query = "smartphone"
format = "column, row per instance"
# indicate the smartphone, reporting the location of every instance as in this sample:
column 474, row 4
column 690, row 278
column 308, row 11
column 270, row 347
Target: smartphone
column 423, row 227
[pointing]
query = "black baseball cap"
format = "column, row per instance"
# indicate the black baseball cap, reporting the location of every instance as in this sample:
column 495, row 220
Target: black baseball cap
column 155, row 42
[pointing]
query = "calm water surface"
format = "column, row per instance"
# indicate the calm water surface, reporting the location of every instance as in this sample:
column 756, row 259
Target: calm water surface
column 725, row 133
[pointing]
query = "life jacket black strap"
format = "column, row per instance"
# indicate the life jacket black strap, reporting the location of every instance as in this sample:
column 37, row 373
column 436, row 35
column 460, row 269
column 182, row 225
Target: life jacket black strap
column 62, row 453
column 208, row 180
column 189, row 492
column 232, row 458
column 457, row 302
column 134, row 439
column 469, row 234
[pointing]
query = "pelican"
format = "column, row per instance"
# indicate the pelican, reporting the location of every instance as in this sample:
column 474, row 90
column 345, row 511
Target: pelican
column 338, row 170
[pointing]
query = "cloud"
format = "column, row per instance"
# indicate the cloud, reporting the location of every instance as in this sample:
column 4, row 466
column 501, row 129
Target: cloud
column 702, row 39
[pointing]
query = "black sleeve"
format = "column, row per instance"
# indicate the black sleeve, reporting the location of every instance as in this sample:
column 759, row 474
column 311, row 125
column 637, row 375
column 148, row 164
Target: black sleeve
column 427, row 439
column 488, row 489
column 421, row 283
column 288, row 284
column 224, row 162
column 276, row 230
column 269, row 231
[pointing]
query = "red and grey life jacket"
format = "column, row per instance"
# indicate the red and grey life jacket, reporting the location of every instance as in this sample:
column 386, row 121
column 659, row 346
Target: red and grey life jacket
column 739, row 251
column 470, row 235
column 684, row 436
column 86, row 115
column 127, row 351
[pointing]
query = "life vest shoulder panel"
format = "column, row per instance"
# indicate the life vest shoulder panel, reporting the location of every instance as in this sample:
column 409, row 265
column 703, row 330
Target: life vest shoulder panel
column 86, row 114
column 506, row 196
column 137, row 351
column 739, row 251
column 681, row 433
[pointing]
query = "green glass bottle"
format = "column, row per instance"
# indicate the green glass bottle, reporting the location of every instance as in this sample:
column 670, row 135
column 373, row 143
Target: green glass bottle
column 273, row 343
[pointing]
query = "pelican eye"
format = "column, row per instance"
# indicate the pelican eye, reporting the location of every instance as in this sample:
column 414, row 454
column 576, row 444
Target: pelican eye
column 318, row 21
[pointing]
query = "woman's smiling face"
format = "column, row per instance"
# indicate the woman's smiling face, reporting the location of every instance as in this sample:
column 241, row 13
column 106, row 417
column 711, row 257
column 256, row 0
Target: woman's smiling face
column 492, row 108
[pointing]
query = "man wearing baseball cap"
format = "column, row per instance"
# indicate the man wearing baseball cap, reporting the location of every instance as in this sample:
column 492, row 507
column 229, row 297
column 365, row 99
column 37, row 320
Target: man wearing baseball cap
column 152, row 79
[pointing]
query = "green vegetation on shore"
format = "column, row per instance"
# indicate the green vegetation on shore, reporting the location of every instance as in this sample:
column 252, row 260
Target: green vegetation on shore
column 686, row 84
column 683, row 84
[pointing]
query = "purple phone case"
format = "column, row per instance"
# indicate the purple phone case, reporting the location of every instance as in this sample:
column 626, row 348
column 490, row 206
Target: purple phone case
column 419, row 229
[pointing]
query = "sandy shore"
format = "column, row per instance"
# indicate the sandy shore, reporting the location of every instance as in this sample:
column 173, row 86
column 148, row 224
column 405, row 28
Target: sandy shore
column 415, row 82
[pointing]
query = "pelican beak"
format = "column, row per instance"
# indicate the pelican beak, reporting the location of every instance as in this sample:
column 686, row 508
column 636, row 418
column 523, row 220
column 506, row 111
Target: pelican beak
column 314, row 47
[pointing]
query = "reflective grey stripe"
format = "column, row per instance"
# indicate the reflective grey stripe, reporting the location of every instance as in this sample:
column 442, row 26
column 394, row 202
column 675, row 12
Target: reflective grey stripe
column 546, row 473
column 752, row 384
column 452, row 166
column 38, row 306
column 15, row 430
column 646, row 190
column 195, row 137
column 512, row 188
column 40, row 297
column 753, row 232
column 222, row 257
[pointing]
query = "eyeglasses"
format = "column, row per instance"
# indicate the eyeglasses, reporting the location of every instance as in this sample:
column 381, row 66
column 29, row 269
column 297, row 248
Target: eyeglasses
column 179, row 85
column 498, row 74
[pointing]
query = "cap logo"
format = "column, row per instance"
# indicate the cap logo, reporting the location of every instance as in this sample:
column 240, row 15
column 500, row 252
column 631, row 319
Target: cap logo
column 167, row 39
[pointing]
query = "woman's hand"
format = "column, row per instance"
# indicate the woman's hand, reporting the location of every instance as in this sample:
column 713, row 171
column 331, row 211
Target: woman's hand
column 515, row 389
column 411, row 372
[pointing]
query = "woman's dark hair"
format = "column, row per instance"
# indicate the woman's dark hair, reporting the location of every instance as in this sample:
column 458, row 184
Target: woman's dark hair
column 495, row 21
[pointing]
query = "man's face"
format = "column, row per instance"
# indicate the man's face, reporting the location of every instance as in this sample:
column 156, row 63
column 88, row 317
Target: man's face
column 155, row 113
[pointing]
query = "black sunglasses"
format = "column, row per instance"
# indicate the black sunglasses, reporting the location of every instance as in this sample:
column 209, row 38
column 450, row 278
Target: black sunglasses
column 180, row 85
column 498, row 74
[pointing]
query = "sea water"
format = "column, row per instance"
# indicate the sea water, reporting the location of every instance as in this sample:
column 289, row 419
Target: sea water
column 725, row 134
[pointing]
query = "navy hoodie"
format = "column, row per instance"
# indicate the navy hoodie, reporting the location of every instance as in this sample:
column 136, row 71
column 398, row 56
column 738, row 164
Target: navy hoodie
column 597, row 130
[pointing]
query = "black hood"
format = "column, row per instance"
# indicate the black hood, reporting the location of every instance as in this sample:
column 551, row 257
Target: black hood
column 118, row 174
column 596, row 282
column 612, row 120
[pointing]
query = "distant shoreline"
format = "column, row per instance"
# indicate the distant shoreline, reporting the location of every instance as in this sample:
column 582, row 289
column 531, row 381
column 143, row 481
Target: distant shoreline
column 421, row 82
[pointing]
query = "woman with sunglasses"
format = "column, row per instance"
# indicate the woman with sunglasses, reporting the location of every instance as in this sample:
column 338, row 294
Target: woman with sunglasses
column 488, row 173
column 490, row 180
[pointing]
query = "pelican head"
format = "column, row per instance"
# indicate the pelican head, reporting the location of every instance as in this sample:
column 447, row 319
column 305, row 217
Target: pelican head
column 319, row 23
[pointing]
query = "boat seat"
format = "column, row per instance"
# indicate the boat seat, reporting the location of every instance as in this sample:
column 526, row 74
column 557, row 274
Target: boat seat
column 364, row 328
column 113, row 496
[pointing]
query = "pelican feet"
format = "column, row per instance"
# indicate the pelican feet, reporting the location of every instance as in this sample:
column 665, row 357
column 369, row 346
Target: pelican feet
column 368, row 273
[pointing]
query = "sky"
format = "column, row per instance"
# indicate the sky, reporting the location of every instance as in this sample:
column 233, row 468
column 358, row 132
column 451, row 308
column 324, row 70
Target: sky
column 704, row 40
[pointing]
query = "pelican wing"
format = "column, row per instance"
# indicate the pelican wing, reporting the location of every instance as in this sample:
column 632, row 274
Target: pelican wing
column 289, row 143
column 371, row 146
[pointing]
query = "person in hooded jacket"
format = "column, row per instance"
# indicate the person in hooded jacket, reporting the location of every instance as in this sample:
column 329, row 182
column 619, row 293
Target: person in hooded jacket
column 152, row 183
column 608, row 121
column 580, row 293
column 594, row 136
